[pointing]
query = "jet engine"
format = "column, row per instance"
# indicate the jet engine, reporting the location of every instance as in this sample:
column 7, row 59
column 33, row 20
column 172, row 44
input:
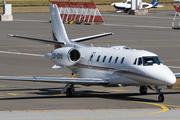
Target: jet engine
column 66, row 56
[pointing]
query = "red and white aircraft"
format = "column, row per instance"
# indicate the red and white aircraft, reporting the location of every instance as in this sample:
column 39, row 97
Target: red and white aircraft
column 112, row 66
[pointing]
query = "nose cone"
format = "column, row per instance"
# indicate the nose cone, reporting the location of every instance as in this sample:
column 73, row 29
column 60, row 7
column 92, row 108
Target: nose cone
column 170, row 79
column 162, row 75
column 167, row 76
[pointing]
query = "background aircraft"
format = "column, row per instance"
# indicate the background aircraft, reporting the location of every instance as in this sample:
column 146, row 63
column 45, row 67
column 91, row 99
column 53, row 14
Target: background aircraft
column 109, row 67
column 126, row 5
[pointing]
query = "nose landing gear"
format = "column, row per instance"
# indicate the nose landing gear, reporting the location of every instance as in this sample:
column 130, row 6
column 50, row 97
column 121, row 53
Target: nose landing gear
column 161, row 96
column 143, row 91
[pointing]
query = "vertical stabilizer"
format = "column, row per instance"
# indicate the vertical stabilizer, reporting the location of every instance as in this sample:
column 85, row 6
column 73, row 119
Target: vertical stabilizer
column 58, row 30
column 154, row 2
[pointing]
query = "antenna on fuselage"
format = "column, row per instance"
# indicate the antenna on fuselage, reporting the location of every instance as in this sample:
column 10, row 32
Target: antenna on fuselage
column 92, row 45
column 108, row 45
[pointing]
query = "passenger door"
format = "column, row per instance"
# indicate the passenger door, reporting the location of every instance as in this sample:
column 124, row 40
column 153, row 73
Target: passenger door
column 91, row 59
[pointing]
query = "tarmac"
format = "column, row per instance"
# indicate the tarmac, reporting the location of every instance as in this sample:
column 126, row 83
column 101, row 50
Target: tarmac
column 29, row 100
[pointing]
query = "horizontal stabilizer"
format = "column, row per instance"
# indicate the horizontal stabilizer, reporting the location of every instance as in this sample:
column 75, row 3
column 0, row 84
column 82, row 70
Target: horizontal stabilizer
column 91, row 37
column 37, row 39
column 82, row 81
column 158, row 6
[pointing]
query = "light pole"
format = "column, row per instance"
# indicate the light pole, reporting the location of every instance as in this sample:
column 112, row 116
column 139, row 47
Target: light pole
column 4, row 3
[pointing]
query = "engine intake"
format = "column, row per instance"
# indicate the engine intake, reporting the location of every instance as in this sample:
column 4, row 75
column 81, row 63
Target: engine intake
column 66, row 56
column 74, row 55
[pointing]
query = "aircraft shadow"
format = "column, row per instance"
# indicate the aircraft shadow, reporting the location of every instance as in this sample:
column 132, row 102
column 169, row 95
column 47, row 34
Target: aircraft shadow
column 44, row 93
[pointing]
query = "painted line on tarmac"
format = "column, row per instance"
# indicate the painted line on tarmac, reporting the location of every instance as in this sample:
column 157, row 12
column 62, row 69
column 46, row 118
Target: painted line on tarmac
column 21, row 20
column 171, row 105
column 14, row 94
column 164, row 109
column 146, row 17
column 18, row 53
column 158, row 46
column 173, row 66
column 139, row 26
column 117, row 90
column 173, row 60
column 17, row 46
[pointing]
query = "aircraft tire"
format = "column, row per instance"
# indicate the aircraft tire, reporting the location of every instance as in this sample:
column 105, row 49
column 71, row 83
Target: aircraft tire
column 161, row 98
column 126, row 11
column 143, row 90
column 69, row 92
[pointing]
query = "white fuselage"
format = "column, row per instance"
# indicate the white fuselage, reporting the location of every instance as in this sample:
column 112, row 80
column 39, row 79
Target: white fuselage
column 122, row 66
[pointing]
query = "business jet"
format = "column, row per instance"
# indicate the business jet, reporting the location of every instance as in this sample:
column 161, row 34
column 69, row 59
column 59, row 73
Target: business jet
column 109, row 67
column 126, row 5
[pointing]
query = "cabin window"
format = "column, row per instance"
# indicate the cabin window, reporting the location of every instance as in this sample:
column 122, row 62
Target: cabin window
column 140, row 61
column 98, row 58
column 122, row 60
column 116, row 60
column 104, row 58
column 129, row 2
column 135, row 61
column 91, row 58
column 110, row 59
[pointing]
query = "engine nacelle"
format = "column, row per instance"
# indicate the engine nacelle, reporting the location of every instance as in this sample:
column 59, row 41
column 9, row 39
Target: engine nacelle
column 66, row 56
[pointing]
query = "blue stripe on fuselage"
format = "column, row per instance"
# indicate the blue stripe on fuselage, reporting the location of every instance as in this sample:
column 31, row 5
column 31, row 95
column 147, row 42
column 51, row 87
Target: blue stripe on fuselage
column 122, row 8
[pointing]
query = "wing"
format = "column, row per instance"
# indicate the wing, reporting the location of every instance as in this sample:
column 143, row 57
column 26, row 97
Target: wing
column 177, row 75
column 82, row 81
column 37, row 39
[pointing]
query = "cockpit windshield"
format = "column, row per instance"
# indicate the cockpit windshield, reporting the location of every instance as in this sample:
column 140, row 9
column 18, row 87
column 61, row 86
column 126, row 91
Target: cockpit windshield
column 148, row 61
column 124, row 1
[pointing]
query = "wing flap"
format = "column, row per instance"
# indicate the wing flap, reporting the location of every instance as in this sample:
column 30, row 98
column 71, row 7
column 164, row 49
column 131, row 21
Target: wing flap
column 90, row 81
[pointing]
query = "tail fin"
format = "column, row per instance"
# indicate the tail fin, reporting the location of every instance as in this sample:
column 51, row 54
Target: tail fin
column 58, row 30
column 154, row 2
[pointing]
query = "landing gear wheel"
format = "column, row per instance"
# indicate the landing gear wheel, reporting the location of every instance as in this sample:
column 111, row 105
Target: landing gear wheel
column 69, row 92
column 126, row 11
column 143, row 90
column 161, row 98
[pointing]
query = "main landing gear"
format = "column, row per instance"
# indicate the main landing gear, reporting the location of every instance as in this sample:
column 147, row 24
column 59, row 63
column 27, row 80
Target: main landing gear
column 69, row 90
column 143, row 91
